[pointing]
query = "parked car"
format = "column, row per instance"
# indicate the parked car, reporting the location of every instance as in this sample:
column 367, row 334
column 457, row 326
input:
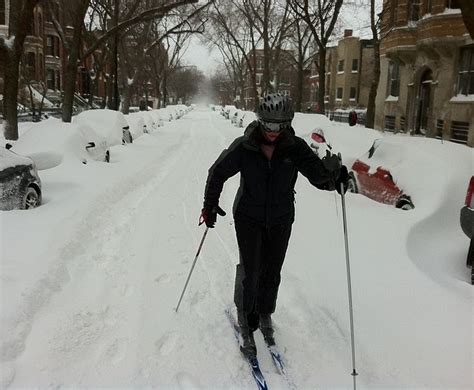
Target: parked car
column 371, row 176
column 20, row 184
column 467, row 224
column 107, row 123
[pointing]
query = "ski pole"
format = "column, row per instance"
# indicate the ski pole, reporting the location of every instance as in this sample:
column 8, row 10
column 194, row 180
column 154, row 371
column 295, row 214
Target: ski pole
column 192, row 267
column 349, row 288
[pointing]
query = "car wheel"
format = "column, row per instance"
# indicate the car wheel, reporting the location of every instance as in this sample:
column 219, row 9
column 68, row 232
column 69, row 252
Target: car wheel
column 404, row 203
column 352, row 184
column 31, row 199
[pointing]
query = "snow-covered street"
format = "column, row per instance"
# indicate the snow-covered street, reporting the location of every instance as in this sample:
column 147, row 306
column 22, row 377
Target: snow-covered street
column 90, row 280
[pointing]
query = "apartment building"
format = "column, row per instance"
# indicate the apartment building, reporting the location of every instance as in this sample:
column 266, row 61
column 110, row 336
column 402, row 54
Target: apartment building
column 349, row 72
column 427, row 71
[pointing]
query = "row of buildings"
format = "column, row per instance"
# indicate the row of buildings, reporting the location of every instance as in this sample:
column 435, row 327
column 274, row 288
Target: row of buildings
column 426, row 84
column 44, row 62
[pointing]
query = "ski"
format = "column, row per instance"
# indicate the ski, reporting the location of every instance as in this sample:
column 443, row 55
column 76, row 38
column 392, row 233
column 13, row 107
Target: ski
column 279, row 364
column 253, row 362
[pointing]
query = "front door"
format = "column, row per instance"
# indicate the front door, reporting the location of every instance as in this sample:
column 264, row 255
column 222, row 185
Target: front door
column 424, row 103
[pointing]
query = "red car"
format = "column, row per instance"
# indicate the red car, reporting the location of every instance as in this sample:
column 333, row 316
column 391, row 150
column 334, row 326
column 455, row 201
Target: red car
column 370, row 178
column 467, row 224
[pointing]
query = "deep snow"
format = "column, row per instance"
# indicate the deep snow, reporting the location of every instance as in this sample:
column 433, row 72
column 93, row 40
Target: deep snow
column 90, row 280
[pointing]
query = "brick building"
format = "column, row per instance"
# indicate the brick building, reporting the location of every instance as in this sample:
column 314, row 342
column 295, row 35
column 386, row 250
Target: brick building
column 44, row 57
column 427, row 71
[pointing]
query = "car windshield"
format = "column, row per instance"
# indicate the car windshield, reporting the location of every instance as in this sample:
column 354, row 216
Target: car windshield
column 384, row 154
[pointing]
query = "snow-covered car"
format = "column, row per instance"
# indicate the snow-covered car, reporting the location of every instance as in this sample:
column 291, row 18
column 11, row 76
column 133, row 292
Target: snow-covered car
column 72, row 142
column 138, row 126
column 371, row 175
column 467, row 224
column 238, row 118
column 229, row 111
column 107, row 123
column 20, row 184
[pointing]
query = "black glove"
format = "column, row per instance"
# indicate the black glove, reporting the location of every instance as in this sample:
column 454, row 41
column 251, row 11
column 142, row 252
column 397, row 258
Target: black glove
column 343, row 178
column 332, row 163
column 209, row 215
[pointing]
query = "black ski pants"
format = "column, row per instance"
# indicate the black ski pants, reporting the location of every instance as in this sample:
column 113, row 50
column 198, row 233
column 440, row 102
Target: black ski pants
column 262, row 252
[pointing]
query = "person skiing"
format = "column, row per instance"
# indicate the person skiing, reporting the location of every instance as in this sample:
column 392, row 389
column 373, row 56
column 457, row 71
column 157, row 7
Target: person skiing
column 268, row 156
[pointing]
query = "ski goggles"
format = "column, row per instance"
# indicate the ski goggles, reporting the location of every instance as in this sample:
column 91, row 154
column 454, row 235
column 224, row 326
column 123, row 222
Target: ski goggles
column 275, row 127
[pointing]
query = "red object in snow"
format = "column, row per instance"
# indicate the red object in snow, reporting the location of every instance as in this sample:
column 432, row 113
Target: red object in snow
column 378, row 185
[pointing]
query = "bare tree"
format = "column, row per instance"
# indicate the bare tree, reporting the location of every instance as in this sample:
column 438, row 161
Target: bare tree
column 270, row 20
column 300, row 38
column 236, row 31
column 321, row 17
column 11, row 49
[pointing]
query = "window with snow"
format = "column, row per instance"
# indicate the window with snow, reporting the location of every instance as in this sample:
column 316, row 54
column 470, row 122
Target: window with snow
column 393, row 79
column 466, row 72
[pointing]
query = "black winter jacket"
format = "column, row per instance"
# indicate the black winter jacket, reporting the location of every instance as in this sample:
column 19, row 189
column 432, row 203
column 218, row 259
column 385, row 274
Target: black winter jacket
column 266, row 192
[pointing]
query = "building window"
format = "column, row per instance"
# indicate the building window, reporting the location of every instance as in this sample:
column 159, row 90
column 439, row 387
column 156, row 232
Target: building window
column 429, row 6
column 52, row 46
column 355, row 65
column 2, row 12
column 466, row 72
column 393, row 79
column 339, row 93
column 340, row 66
column 353, row 93
column 414, row 7
column 31, row 65
column 50, row 79
column 260, row 63
column 393, row 12
column 259, row 79
column 452, row 4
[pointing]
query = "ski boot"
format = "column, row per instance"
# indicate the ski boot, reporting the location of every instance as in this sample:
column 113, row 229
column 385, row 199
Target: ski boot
column 247, row 347
column 266, row 327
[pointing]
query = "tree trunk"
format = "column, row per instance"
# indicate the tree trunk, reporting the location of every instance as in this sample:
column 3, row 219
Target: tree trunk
column 370, row 117
column 126, row 96
column 20, row 16
column 10, row 92
column 322, row 80
column 71, row 64
column 299, row 87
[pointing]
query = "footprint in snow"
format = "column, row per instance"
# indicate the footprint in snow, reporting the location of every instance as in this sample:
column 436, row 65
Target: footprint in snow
column 163, row 278
column 166, row 344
